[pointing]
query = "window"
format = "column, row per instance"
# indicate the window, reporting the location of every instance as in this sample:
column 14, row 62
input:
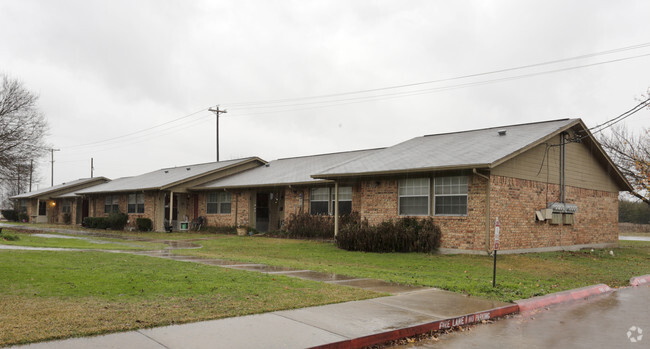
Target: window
column 112, row 204
column 322, row 201
column 218, row 203
column 66, row 206
column 451, row 196
column 23, row 205
column 319, row 201
column 42, row 208
column 414, row 197
column 345, row 200
column 136, row 203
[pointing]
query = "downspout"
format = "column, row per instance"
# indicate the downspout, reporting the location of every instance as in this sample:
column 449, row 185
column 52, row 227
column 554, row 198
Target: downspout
column 487, row 210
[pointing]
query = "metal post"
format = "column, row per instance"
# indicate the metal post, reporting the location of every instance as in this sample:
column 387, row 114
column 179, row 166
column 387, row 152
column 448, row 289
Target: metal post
column 92, row 167
column 494, row 272
column 52, row 150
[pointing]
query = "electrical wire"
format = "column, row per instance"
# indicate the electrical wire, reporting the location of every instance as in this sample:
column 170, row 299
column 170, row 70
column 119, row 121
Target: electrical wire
column 401, row 94
column 633, row 47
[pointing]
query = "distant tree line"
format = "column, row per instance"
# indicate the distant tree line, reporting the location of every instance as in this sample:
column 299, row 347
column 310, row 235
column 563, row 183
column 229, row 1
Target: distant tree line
column 633, row 212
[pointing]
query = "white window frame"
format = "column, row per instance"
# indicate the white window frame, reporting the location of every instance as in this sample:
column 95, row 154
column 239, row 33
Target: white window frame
column 402, row 192
column 219, row 199
column 115, row 202
column 66, row 206
column 347, row 197
column 452, row 187
column 138, row 202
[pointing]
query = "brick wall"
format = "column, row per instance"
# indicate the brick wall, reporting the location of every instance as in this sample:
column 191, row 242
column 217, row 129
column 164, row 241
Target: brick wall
column 514, row 201
column 378, row 200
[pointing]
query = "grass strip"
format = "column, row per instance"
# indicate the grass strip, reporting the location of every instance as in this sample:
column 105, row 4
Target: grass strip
column 49, row 295
column 518, row 276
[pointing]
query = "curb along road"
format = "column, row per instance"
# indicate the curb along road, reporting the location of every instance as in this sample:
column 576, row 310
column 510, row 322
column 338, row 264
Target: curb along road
column 379, row 338
column 520, row 306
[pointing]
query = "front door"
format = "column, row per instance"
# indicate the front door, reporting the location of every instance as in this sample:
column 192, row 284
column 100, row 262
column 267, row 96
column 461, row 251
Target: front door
column 262, row 212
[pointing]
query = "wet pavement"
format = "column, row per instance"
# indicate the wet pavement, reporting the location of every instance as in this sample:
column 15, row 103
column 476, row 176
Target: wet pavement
column 598, row 322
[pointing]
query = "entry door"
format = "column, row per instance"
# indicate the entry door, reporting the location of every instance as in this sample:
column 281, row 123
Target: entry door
column 262, row 212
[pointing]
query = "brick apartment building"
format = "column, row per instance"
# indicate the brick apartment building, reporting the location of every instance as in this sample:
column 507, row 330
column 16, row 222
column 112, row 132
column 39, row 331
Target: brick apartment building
column 550, row 184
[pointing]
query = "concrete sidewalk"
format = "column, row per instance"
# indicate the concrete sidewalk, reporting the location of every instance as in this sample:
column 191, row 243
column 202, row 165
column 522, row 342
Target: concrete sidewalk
column 408, row 311
column 334, row 325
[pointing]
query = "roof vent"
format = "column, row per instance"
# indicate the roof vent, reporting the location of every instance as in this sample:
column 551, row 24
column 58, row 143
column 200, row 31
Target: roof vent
column 267, row 165
column 166, row 171
column 502, row 132
column 188, row 168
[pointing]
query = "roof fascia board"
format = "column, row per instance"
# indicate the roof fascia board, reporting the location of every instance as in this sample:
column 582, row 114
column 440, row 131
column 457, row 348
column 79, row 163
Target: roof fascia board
column 180, row 182
column 320, row 181
column 400, row 172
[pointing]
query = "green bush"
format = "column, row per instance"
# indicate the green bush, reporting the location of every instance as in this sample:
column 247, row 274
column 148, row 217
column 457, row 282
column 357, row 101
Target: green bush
column 400, row 235
column 95, row 222
column 9, row 237
column 144, row 224
column 117, row 220
column 10, row 215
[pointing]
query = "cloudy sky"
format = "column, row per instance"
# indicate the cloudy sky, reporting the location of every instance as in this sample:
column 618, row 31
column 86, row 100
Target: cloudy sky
column 129, row 83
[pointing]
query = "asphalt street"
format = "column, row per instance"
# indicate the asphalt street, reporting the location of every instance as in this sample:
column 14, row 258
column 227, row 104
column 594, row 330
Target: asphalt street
column 620, row 319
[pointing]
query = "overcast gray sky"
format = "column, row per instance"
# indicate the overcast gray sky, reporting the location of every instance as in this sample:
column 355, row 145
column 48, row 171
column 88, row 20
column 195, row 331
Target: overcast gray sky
column 106, row 70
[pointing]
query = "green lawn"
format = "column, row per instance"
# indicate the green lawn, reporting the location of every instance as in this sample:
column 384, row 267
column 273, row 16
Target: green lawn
column 78, row 243
column 47, row 295
column 518, row 276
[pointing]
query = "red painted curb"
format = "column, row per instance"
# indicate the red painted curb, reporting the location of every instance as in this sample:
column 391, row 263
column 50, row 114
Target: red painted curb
column 560, row 297
column 640, row 280
column 379, row 338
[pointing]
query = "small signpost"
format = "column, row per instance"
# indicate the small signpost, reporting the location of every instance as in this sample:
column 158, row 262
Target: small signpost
column 497, row 228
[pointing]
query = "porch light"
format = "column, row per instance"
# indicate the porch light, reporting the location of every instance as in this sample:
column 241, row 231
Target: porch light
column 52, row 203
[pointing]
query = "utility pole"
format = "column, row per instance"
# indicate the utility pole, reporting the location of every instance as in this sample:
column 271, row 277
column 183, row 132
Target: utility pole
column 92, row 167
column 52, row 161
column 217, row 111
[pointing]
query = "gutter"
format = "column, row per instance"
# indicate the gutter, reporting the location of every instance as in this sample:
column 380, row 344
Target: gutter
column 487, row 209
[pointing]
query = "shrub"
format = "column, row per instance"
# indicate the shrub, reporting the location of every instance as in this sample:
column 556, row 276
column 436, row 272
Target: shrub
column 95, row 222
column 9, row 237
column 305, row 225
column 400, row 235
column 10, row 215
column 117, row 220
column 67, row 218
column 144, row 224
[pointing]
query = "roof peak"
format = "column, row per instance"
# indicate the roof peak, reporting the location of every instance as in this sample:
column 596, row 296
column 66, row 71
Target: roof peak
column 334, row 153
column 498, row 127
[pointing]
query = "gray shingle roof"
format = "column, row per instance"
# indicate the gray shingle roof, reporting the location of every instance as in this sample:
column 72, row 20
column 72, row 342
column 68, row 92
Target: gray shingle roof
column 165, row 177
column 476, row 148
column 286, row 171
column 60, row 189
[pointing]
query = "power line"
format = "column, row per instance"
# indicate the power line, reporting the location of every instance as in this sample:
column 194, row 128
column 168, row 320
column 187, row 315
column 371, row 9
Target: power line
column 362, row 99
column 368, row 98
column 633, row 47
column 139, row 131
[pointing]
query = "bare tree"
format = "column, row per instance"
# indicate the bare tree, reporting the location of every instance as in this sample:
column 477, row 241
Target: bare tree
column 22, row 129
column 631, row 153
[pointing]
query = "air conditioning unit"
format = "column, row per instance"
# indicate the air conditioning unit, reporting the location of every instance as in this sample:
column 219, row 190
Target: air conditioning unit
column 568, row 218
column 556, row 218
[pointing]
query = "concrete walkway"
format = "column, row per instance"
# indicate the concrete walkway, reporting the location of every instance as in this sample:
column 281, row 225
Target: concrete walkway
column 352, row 324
